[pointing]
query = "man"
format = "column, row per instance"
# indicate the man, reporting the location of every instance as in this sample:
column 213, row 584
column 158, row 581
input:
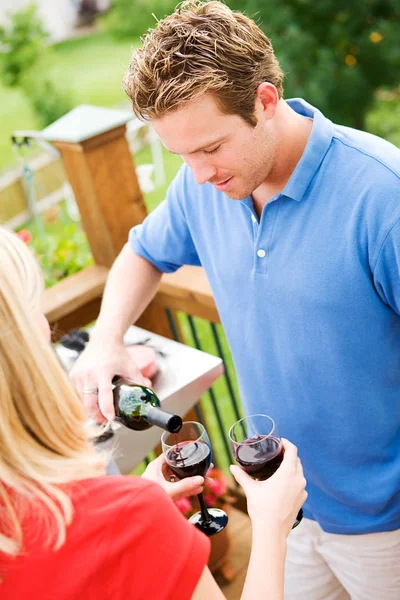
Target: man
column 296, row 222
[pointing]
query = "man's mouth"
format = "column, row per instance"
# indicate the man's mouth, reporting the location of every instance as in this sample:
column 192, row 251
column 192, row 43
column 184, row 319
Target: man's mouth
column 223, row 185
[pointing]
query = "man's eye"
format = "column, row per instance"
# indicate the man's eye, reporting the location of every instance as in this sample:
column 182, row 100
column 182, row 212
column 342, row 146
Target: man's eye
column 212, row 151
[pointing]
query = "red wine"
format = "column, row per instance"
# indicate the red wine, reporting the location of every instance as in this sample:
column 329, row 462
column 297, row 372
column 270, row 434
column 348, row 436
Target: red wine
column 260, row 456
column 188, row 459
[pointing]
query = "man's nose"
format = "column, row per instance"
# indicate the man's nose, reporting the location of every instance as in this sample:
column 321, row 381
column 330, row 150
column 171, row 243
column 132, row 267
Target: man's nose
column 202, row 171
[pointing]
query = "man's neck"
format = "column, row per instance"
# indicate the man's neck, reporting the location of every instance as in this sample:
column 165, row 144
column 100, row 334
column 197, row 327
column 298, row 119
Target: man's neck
column 293, row 131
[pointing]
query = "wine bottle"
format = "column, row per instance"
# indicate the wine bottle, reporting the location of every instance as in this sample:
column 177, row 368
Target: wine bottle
column 138, row 407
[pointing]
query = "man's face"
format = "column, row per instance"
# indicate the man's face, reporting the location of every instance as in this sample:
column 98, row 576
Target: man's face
column 221, row 149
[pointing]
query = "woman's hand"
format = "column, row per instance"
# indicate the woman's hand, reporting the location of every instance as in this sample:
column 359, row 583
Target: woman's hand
column 276, row 501
column 159, row 471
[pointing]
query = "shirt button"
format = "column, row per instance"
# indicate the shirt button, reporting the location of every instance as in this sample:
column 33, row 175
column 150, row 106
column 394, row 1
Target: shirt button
column 261, row 253
column 253, row 219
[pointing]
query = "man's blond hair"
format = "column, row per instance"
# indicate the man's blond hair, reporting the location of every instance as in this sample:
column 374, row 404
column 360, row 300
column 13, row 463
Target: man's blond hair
column 203, row 47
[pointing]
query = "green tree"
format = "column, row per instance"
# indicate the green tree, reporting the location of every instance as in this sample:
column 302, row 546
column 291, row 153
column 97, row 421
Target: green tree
column 24, row 42
column 132, row 18
column 335, row 53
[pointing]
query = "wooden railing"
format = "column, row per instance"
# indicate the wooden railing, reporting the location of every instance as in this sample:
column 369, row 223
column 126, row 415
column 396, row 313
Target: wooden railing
column 75, row 301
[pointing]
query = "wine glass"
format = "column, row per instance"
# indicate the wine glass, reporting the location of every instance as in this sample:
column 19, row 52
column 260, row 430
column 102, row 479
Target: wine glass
column 258, row 449
column 188, row 453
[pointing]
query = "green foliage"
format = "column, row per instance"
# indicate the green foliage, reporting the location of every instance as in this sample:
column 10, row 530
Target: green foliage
column 63, row 250
column 23, row 42
column 384, row 117
column 335, row 53
column 47, row 101
column 25, row 64
column 129, row 18
column 60, row 257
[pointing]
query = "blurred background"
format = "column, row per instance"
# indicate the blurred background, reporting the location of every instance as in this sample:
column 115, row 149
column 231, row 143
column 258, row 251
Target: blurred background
column 342, row 56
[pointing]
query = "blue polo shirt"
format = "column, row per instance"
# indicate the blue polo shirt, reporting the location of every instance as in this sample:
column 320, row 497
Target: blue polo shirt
column 309, row 298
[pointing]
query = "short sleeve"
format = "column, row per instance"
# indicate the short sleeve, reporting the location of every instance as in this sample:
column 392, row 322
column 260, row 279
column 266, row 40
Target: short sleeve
column 164, row 237
column 157, row 554
column 387, row 269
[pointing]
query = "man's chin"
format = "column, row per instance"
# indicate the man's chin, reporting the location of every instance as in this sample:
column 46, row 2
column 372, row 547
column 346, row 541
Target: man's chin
column 236, row 195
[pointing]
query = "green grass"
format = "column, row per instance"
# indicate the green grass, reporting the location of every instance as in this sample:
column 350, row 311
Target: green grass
column 15, row 114
column 92, row 67
column 89, row 69
column 172, row 162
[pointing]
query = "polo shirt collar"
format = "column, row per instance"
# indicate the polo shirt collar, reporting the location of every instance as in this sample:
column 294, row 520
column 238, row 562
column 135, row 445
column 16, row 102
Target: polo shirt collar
column 314, row 152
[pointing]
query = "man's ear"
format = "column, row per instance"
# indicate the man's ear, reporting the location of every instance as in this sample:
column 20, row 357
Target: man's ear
column 267, row 100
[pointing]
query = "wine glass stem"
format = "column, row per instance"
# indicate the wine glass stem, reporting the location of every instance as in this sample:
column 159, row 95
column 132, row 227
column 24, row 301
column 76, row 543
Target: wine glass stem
column 203, row 509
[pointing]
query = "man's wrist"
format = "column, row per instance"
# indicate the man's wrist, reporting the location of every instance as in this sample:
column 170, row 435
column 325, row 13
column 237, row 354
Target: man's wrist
column 107, row 334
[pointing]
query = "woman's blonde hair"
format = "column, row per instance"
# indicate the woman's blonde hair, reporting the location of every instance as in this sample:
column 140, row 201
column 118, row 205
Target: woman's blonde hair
column 203, row 47
column 44, row 442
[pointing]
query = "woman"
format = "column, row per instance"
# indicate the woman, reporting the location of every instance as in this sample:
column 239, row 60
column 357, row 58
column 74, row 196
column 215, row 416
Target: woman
column 69, row 532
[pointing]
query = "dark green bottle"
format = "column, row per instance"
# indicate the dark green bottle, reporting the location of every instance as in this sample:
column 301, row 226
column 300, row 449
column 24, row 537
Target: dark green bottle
column 138, row 407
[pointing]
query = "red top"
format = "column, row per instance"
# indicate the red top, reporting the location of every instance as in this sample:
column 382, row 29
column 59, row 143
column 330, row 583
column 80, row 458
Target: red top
column 127, row 541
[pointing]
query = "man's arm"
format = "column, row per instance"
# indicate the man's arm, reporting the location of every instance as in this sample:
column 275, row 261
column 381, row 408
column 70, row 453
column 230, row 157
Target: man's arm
column 162, row 243
column 131, row 285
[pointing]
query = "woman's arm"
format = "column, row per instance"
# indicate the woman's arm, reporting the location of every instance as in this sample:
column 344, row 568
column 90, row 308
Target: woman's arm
column 265, row 571
column 207, row 588
column 267, row 565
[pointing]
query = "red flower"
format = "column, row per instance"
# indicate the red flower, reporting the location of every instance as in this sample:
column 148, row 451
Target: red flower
column 217, row 486
column 25, row 235
column 210, row 499
column 183, row 504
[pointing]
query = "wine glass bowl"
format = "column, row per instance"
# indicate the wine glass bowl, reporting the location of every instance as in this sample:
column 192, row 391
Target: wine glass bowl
column 257, row 448
column 188, row 453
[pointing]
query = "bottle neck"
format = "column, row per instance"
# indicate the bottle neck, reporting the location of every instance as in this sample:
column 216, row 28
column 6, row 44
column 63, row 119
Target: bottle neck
column 161, row 418
column 138, row 407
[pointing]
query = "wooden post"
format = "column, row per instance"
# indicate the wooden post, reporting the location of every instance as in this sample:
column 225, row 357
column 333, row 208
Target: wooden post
column 101, row 171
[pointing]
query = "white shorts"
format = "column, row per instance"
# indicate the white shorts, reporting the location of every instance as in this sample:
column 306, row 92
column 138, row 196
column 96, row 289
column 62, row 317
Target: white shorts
column 328, row 566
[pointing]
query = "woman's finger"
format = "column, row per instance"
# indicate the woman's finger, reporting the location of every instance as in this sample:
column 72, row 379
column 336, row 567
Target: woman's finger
column 187, row 487
column 241, row 477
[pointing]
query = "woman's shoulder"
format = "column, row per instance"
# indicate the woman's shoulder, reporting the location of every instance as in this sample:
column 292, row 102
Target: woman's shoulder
column 114, row 482
column 114, row 491
column 120, row 509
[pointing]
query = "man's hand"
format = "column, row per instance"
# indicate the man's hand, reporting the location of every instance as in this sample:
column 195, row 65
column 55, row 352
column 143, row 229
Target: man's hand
column 159, row 472
column 95, row 369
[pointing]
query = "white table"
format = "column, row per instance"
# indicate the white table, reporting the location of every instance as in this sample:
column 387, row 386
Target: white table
column 184, row 375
